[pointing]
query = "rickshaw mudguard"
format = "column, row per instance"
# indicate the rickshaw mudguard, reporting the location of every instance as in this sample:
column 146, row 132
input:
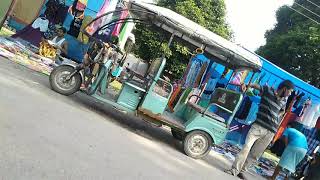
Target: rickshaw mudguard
column 217, row 130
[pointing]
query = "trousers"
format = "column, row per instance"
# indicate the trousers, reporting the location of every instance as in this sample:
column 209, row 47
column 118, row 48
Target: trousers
column 257, row 141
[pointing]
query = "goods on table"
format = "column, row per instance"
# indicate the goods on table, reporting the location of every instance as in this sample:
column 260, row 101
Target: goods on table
column 47, row 50
column 24, row 54
column 266, row 163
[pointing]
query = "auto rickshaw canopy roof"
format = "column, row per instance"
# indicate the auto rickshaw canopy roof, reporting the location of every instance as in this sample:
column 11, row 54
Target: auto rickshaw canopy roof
column 215, row 46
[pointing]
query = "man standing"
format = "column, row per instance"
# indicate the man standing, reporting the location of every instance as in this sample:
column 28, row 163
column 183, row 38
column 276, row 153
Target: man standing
column 260, row 135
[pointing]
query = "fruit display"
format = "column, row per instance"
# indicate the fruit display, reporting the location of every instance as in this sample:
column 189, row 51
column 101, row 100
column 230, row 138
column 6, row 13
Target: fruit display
column 26, row 54
column 46, row 50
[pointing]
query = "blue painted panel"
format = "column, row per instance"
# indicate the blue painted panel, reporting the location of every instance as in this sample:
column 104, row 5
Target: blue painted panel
column 281, row 74
column 76, row 49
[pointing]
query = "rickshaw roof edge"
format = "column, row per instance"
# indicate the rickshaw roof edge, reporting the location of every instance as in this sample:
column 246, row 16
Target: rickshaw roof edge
column 228, row 52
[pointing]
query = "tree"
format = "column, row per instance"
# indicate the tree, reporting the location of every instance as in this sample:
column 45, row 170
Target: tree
column 152, row 42
column 294, row 43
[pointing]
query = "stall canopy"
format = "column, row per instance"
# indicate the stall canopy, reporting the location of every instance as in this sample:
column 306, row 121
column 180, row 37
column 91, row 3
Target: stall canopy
column 225, row 51
column 25, row 11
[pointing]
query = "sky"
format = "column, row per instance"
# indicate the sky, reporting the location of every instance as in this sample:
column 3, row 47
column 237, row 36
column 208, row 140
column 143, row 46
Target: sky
column 250, row 19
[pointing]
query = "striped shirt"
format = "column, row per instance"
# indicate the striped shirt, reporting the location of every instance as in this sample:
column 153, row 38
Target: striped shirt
column 269, row 109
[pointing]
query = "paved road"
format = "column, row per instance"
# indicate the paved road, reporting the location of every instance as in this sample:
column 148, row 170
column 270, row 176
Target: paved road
column 44, row 135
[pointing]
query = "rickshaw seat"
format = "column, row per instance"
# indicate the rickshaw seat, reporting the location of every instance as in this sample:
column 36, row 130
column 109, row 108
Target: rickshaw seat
column 202, row 110
column 196, row 107
column 226, row 100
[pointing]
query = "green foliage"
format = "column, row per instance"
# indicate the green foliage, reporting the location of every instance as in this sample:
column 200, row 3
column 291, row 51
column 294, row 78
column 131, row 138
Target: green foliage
column 294, row 43
column 152, row 42
column 208, row 13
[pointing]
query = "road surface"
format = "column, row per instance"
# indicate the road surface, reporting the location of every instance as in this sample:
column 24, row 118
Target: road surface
column 44, row 135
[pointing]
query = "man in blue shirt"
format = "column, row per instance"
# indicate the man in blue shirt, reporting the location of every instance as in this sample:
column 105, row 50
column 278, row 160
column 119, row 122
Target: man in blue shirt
column 295, row 151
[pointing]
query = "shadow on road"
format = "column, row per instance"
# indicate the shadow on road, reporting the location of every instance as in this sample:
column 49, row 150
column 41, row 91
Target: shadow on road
column 138, row 126
column 132, row 123
column 144, row 129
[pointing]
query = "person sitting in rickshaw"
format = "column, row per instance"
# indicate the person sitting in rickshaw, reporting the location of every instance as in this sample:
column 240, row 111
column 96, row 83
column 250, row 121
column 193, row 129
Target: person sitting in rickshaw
column 96, row 52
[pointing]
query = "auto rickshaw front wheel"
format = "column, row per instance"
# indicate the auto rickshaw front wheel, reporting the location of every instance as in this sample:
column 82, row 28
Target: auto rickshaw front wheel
column 197, row 144
column 62, row 83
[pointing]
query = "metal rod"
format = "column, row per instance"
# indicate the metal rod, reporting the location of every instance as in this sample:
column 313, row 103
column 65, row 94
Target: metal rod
column 233, row 73
column 118, row 21
column 134, row 20
column 169, row 43
column 111, row 12
column 251, row 78
column 171, row 39
column 304, row 15
column 313, row 3
column 307, row 9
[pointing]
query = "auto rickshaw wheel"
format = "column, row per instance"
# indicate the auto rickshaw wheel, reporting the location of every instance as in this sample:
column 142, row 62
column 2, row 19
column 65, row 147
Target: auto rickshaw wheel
column 60, row 83
column 197, row 144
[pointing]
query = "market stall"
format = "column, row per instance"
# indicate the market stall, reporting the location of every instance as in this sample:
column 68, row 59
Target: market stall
column 24, row 54
column 73, row 15
column 27, row 45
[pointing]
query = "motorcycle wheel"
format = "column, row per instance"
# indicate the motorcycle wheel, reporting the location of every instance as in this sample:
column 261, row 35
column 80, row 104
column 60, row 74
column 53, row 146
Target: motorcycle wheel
column 59, row 83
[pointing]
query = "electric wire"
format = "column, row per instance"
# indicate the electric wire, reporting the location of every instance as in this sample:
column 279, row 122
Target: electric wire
column 307, row 9
column 315, row 21
column 313, row 3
